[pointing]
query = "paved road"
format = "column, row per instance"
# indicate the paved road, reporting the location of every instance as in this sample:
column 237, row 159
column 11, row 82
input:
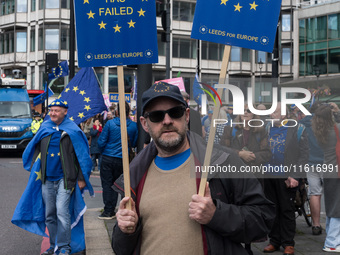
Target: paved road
column 13, row 180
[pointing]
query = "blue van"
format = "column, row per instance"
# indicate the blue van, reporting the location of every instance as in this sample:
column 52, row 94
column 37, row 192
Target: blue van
column 15, row 116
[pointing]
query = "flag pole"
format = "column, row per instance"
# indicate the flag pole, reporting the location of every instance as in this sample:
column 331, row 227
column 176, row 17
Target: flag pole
column 207, row 158
column 123, row 130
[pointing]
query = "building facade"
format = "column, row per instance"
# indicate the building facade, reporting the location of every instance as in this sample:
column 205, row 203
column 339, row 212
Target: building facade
column 308, row 33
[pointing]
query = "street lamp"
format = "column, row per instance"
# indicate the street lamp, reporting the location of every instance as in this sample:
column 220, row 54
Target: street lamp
column 260, row 66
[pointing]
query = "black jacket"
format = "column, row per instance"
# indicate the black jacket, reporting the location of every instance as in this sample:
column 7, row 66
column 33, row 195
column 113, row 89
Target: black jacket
column 69, row 161
column 243, row 214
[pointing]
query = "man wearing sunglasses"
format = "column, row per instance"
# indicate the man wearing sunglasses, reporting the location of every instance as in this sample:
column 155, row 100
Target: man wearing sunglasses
column 167, row 215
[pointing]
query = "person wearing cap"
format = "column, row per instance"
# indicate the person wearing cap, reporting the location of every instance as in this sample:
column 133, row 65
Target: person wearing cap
column 167, row 215
column 64, row 168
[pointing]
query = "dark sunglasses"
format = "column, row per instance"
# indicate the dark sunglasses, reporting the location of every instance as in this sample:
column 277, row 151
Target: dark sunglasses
column 158, row 116
column 247, row 110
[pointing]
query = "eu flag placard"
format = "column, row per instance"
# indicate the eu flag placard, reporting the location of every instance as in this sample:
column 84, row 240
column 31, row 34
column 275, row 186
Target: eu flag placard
column 248, row 23
column 116, row 32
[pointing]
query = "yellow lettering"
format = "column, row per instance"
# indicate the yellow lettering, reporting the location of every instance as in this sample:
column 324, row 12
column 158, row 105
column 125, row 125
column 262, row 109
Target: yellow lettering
column 107, row 11
column 101, row 10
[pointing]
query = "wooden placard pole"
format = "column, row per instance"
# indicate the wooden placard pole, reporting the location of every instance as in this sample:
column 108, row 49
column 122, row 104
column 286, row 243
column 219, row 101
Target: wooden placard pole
column 207, row 158
column 123, row 131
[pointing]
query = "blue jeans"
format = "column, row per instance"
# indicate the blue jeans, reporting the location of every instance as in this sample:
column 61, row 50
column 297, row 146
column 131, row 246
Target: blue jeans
column 57, row 214
column 94, row 157
column 110, row 170
column 333, row 232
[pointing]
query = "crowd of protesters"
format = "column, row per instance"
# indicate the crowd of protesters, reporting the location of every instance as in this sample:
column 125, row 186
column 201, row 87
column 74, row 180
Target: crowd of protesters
column 291, row 139
column 311, row 141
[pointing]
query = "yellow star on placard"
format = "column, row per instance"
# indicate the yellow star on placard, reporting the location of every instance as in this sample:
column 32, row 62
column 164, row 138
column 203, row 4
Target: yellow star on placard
column 141, row 12
column 253, row 6
column 224, row 2
column 87, row 99
column 86, row 1
column 238, row 7
column 58, row 153
column 75, row 88
column 71, row 118
column 82, row 92
column 67, row 89
column 131, row 24
column 91, row 14
column 38, row 175
column 81, row 115
column 87, row 107
column 102, row 25
column 52, row 155
column 117, row 28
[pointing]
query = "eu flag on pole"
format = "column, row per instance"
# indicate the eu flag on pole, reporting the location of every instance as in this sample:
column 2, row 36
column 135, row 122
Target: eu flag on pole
column 197, row 90
column 248, row 23
column 116, row 32
column 83, row 96
column 60, row 71
column 42, row 97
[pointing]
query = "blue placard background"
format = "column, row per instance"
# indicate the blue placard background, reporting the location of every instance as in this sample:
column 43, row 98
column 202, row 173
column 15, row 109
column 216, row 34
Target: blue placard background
column 116, row 32
column 248, row 23
column 113, row 97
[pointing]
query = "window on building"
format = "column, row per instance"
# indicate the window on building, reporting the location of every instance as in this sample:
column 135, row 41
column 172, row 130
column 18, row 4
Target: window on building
column 64, row 38
column 334, row 61
column 302, row 31
column 52, row 39
column 286, row 22
column 212, row 51
column 7, row 7
column 32, row 40
column 286, row 56
column 161, row 45
column 319, row 45
column 8, row 42
column 21, row 5
column 33, row 5
column 334, row 26
column 319, row 58
column 183, row 11
column 52, row 4
column 261, row 56
column 41, row 39
column 246, row 55
column 184, row 48
column 21, row 42
column 235, row 55
column 316, row 29
column 65, row 4
column 2, row 44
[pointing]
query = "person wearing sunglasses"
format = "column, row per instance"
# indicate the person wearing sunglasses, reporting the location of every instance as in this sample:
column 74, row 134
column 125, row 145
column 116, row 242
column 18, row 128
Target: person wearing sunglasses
column 167, row 215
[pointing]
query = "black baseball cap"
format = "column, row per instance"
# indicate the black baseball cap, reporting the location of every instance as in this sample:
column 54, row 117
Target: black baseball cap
column 162, row 89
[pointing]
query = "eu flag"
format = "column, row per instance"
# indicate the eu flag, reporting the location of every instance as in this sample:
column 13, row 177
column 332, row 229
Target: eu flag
column 197, row 90
column 249, row 23
column 60, row 71
column 83, row 96
column 42, row 97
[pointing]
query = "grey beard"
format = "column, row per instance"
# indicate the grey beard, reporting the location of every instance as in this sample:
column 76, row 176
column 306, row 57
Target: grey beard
column 170, row 146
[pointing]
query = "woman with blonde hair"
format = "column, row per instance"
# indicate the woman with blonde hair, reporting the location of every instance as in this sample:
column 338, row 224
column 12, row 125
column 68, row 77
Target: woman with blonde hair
column 325, row 130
